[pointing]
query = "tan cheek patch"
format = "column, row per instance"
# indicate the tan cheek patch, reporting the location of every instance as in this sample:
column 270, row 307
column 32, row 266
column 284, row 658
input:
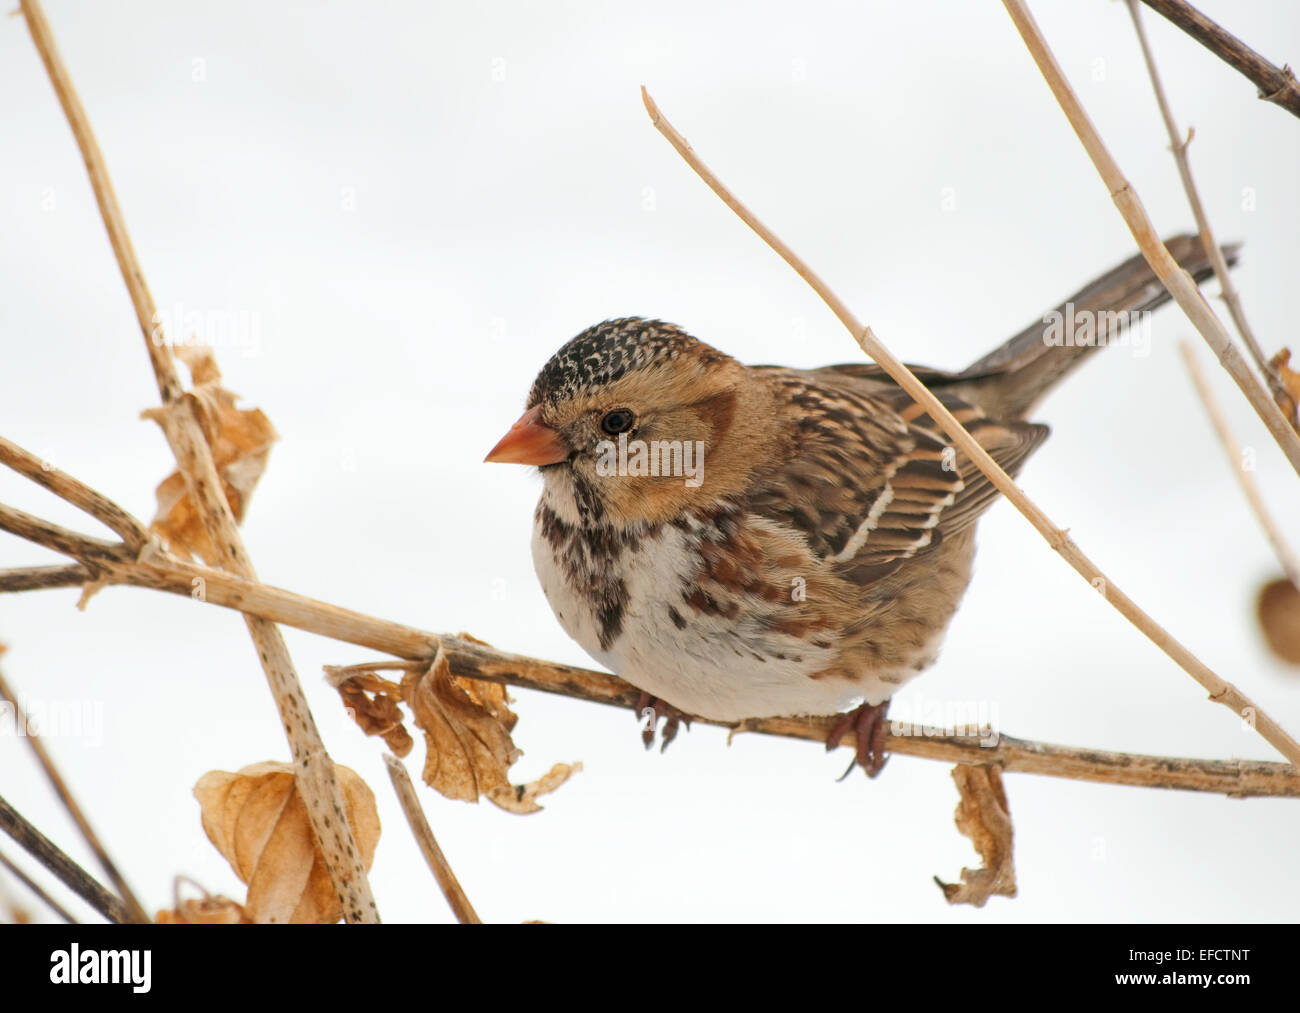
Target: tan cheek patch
column 717, row 413
column 648, row 499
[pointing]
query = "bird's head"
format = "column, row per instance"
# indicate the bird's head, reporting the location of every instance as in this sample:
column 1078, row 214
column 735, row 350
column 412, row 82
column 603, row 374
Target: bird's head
column 649, row 419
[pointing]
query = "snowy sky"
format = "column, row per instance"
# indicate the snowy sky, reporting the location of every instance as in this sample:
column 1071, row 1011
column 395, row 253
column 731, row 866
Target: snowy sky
column 410, row 206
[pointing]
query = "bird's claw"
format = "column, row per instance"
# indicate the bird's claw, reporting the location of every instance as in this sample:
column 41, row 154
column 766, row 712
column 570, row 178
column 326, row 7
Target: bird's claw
column 649, row 709
column 869, row 727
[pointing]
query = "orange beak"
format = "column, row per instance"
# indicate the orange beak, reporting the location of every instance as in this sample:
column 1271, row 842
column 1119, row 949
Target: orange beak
column 530, row 441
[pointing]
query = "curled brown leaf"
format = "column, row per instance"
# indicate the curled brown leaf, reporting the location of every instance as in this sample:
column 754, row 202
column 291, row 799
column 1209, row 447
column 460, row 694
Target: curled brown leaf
column 1288, row 402
column 258, row 821
column 373, row 703
column 240, row 439
column 984, row 817
column 466, row 724
column 522, row 798
column 466, row 728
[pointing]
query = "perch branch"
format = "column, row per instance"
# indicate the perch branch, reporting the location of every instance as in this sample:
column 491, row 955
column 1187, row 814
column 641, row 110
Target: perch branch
column 1220, row 691
column 156, row 570
column 1173, row 277
column 438, row 864
column 474, row 660
column 1290, row 564
column 313, row 771
column 70, row 803
column 1178, row 146
column 72, row 875
column 1276, row 84
column 37, row 889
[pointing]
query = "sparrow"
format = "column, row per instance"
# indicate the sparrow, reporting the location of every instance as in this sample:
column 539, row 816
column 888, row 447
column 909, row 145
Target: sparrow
column 757, row 541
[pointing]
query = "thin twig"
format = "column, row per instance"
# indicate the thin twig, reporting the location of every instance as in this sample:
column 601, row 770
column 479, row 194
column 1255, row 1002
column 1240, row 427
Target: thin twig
column 1178, row 146
column 1246, row 479
column 1174, row 278
column 1220, row 691
column 36, row 578
column 80, row 495
column 74, row 810
column 11, row 912
column 72, row 875
column 37, row 889
column 313, row 770
column 52, row 536
column 1275, row 84
column 423, row 833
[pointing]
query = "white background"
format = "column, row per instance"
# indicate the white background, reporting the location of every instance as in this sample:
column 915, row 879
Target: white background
column 414, row 205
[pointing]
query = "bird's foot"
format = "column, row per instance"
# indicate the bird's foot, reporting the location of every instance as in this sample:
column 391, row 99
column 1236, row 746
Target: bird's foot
column 869, row 727
column 649, row 709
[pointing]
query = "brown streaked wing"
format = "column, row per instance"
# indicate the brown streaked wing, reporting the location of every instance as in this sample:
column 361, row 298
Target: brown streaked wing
column 1008, row 443
column 864, row 488
column 871, row 481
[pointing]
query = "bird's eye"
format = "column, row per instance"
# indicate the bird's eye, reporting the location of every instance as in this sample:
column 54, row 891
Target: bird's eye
column 618, row 421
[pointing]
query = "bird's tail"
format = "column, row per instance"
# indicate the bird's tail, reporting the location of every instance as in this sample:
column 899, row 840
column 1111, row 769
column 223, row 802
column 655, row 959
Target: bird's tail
column 1016, row 375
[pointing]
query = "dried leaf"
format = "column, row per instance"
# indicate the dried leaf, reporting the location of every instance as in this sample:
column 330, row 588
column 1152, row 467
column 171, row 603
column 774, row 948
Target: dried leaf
column 466, row 730
column 522, row 798
column 258, row 821
column 1278, row 607
column 240, row 439
column 201, row 361
column 373, row 701
column 466, row 724
column 984, row 817
column 1290, row 382
column 207, row 910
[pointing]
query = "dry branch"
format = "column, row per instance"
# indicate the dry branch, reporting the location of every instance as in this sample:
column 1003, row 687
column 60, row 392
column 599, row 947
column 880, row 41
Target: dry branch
column 70, row 803
column 72, row 875
column 131, row 531
column 182, row 427
column 1178, row 146
column 1275, row 84
column 36, row 578
column 1173, row 277
column 1220, row 691
column 1246, row 479
column 37, row 889
column 423, row 833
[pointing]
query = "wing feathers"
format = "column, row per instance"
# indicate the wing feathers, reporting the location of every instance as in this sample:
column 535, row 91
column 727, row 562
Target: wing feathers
column 872, row 481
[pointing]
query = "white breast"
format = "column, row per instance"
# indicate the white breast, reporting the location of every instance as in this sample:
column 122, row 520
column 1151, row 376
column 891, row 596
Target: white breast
column 713, row 667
